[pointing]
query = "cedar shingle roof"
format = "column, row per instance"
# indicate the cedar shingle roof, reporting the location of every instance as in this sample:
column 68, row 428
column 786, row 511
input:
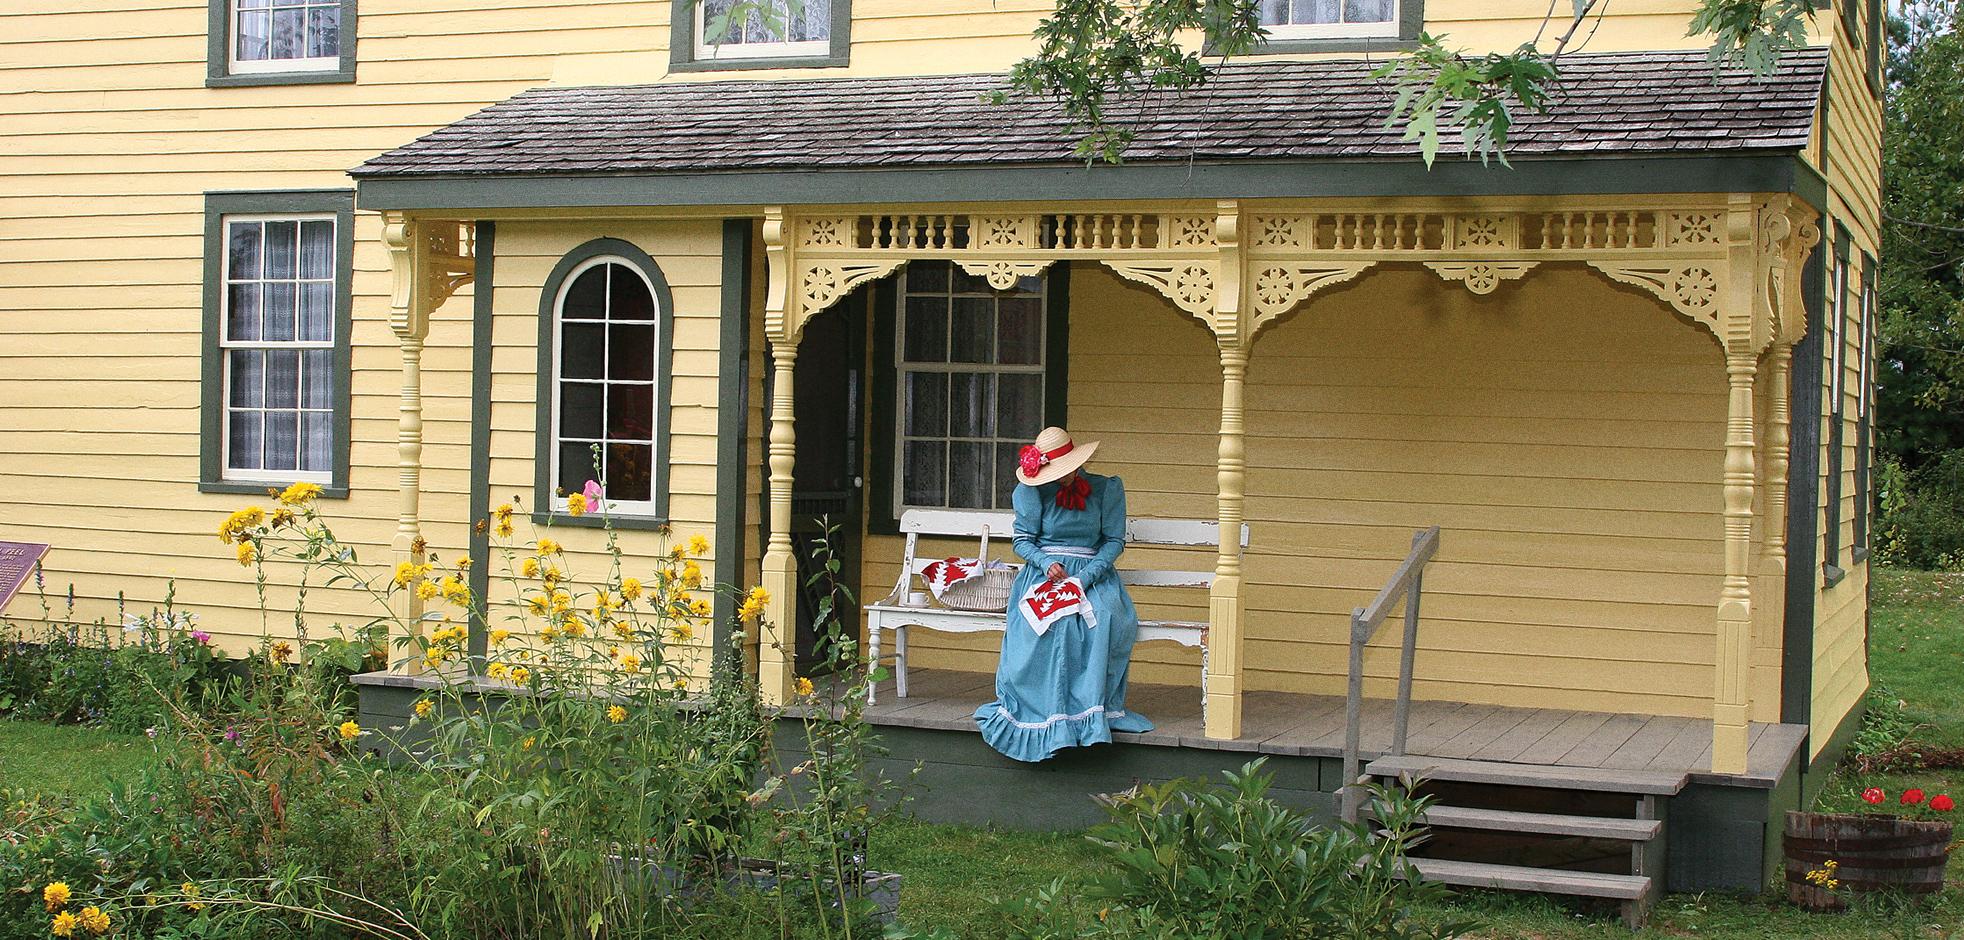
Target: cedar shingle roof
column 1619, row 103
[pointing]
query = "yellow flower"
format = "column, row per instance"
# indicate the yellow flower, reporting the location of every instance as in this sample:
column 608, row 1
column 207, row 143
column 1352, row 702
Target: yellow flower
column 616, row 714
column 464, row 563
column 576, row 504
column 553, row 575
column 497, row 670
column 63, row 925
column 677, row 553
column 504, row 528
column 190, row 890
column 95, row 920
column 503, row 511
column 349, row 731
column 456, row 591
column 237, row 523
column 283, row 517
column 631, row 663
column 424, row 707
column 692, row 575
column 699, row 607
column 247, row 554
column 573, row 626
column 408, row 571
column 698, row 546
column 56, row 895
column 433, row 659
column 753, row 603
column 300, row 494
column 684, row 633
column 529, row 567
column 526, row 744
column 681, row 684
column 549, row 547
column 498, row 637
column 549, row 634
column 803, row 686
column 426, row 590
column 630, row 588
column 603, row 601
column 625, row 628
column 540, row 604
column 521, row 675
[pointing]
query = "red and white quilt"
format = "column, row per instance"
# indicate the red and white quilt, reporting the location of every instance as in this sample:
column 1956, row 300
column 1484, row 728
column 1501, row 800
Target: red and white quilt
column 1050, row 601
column 948, row 572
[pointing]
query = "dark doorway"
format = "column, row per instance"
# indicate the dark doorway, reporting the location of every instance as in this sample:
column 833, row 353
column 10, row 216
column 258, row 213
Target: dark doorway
column 829, row 398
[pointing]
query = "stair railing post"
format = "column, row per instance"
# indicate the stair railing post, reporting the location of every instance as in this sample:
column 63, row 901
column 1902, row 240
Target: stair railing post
column 1401, row 719
column 1353, row 712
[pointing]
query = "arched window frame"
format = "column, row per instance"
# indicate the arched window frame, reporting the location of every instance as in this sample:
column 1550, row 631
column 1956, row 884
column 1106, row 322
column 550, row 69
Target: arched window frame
column 622, row 514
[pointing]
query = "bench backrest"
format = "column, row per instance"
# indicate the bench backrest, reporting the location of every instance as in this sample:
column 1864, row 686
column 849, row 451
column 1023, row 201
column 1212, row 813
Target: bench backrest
column 1191, row 533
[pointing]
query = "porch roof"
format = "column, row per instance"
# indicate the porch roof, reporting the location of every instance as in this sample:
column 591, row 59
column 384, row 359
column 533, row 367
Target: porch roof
column 1640, row 104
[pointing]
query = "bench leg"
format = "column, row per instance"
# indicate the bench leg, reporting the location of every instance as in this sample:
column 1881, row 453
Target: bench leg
column 900, row 662
column 872, row 656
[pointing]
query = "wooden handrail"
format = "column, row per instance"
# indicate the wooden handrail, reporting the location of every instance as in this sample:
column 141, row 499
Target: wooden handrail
column 1407, row 583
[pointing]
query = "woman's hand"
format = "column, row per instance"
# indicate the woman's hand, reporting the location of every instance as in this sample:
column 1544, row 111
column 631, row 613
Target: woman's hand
column 1056, row 571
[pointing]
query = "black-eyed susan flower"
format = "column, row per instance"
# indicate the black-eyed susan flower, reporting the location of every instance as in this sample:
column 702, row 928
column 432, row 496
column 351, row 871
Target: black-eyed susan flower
column 616, row 714
column 424, row 707
column 803, row 686
column 56, row 895
column 349, row 731
column 300, row 494
column 63, row 925
column 94, row 920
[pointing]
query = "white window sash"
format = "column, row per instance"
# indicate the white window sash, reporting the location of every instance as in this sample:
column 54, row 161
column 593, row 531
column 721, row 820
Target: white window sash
column 237, row 66
column 227, row 345
column 659, row 431
column 1382, row 29
column 706, row 50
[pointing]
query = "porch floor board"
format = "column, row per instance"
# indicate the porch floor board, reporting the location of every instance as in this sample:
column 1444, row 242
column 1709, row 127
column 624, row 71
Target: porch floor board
column 1299, row 724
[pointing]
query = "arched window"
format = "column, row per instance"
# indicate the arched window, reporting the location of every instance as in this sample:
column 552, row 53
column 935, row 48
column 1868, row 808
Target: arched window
column 610, row 321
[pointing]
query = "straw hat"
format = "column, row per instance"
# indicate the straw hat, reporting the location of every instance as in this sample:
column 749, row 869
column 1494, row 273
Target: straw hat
column 1052, row 457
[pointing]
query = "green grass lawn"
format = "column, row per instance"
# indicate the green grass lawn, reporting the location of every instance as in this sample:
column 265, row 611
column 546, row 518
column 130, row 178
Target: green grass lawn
column 953, row 872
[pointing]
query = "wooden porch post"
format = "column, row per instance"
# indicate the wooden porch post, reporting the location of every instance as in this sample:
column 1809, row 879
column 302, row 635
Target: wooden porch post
column 1731, row 705
column 776, row 644
column 1224, row 607
column 410, row 321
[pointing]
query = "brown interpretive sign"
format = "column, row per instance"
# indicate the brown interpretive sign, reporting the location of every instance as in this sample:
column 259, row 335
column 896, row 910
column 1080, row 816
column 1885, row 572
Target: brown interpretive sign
column 17, row 560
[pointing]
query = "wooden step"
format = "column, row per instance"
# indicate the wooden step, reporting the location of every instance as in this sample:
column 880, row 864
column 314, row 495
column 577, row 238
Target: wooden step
column 1548, row 880
column 1595, row 779
column 1588, row 827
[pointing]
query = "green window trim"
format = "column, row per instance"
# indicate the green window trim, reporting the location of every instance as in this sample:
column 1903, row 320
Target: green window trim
column 211, row 431
column 546, row 429
column 1836, row 358
column 218, row 54
column 682, row 44
column 881, row 519
column 1865, row 409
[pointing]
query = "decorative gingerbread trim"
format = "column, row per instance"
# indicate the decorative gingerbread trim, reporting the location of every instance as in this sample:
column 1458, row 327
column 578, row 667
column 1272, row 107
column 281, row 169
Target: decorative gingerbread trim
column 1481, row 277
column 1003, row 275
column 1690, row 289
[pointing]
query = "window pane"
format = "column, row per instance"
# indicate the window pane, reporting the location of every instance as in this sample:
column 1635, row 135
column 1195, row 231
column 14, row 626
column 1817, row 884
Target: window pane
column 316, row 440
column 966, row 283
column 576, row 467
column 1367, row 11
column 579, row 410
column 316, row 311
column 631, row 300
column 925, row 409
column 277, row 307
column 581, row 348
column 282, row 440
column 324, row 32
column 631, row 471
column 1274, row 12
column 317, row 249
column 242, row 251
column 971, row 472
column 282, row 378
column 1006, row 474
column 630, row 412
column 587, row 298
column 1019, row 405
column 289, row 33
column 929, row 276
column 242, row 312
column 971, row 405
column 280, row 248
column 254, row 36
column 243, row 440
column 248, row 379
column 973, row 331
column 317, row 378
column 924, row 473
column 631, row 352
column 926, row 331
column 1019, row 321
column 813, row 22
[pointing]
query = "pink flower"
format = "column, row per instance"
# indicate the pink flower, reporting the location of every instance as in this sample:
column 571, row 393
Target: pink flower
column 592, row 493
column 201, row 637
column 1912, row 797
column 1874, row 796
column 1942, row 803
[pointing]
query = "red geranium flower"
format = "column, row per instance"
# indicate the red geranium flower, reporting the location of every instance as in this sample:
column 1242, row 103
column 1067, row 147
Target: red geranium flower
column 1874, row 796
column 1942, row 803
column 1912, row 797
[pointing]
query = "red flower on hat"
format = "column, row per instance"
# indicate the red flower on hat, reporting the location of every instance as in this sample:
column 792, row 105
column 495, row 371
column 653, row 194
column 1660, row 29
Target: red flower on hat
column 1912, row 797
column 1874, row 796
column 1031, row 458
column 1942, row 803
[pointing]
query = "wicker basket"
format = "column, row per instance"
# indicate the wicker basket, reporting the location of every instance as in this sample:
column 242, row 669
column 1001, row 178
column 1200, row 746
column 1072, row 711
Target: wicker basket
column 987, row 591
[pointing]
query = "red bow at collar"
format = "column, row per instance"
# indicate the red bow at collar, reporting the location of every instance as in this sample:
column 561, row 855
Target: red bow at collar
column 1072, row 495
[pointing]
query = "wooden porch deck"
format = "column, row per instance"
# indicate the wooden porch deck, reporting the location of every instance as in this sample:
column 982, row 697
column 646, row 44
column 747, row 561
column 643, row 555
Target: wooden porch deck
column 1296, row 724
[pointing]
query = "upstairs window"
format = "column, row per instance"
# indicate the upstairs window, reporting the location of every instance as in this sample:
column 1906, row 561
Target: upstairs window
column 747, row 34
column 265, row 42
column 1330, row 19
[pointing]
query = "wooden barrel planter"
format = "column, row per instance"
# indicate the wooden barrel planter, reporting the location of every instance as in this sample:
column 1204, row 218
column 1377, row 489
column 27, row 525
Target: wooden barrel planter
column 1871, row 853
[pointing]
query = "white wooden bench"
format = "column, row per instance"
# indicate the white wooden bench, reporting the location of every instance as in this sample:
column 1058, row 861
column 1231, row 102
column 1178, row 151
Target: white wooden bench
column 893, row 612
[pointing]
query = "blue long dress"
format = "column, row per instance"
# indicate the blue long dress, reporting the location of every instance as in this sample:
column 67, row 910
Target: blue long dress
column 1065, row 688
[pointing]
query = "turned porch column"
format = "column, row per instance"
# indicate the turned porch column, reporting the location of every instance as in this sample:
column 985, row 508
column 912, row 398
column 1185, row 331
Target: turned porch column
column 777, row 631
column 1224, row 605
column 1731, row 706
column 409, row 319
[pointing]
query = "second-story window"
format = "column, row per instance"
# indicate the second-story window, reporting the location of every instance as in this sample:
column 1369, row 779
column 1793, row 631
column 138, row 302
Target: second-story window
column 1329, row 19
column 751, row 29
column 285, row 35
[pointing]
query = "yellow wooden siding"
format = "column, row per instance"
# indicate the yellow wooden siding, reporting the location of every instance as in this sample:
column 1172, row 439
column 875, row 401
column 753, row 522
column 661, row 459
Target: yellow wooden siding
column 1565, row 433
column 690, row 255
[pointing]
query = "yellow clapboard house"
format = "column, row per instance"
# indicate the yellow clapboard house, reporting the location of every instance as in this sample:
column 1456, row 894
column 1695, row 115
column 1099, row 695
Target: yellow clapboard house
column 429, row 253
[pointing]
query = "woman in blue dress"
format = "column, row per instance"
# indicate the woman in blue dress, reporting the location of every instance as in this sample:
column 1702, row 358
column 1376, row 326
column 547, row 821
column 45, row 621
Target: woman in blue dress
column 1061, row 683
